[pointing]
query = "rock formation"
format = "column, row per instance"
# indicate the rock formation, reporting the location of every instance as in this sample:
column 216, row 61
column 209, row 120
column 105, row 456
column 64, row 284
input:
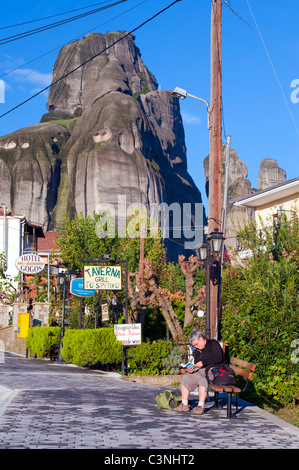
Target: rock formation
column 30, row 170
column 270, row 174
column 238, row 186
column 109, row 132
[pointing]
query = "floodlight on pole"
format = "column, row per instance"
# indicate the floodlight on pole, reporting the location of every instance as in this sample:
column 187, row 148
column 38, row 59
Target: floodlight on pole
column 182, row 94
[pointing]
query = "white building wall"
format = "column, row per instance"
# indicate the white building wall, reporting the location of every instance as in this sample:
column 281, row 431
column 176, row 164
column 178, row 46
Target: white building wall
column 264, row 214
column 11, row 242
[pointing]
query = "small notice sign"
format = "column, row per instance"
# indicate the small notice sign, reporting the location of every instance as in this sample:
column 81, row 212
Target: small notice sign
column 105, row 312
column 129, row 335
column 102, row 277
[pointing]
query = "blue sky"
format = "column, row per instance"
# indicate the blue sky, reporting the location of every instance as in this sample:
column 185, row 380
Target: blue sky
column 260, row 69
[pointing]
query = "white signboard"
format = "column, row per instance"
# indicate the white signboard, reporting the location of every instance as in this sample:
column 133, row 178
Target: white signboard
column 30, row 264
column 105, row 312
column 102, row 277
column 129, row 335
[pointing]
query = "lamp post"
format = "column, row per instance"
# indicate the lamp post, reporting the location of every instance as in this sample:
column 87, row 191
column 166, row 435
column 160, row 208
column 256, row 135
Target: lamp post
column 64, row 279
column 182, row 94
column 214, row 126
column 209, row 252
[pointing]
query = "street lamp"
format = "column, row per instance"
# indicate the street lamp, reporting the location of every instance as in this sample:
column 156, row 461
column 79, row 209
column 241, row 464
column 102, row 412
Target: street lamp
column 208, row 252
column 182, row 94
column 215, row 238
column 64, row 279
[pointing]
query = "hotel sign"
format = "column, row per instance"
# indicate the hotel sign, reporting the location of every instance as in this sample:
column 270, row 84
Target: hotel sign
column 30, row 264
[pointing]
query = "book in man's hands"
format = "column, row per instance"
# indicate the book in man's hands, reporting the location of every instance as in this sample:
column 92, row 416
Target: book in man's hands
column 188, row 365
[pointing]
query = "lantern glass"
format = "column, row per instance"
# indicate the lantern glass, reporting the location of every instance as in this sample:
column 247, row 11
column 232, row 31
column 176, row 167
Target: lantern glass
column 72, row 275
column 202, row 251
column 60, row 279
column 216, row 239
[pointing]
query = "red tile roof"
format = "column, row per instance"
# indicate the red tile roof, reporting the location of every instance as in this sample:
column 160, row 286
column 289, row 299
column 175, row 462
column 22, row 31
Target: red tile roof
column 47, row 244
column 9, row 213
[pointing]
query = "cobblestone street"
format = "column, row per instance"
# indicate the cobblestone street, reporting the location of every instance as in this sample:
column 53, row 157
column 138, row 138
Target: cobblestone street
column 44, row 405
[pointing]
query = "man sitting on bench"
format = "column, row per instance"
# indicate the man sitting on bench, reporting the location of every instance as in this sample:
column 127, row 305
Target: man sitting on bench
column 206, row 352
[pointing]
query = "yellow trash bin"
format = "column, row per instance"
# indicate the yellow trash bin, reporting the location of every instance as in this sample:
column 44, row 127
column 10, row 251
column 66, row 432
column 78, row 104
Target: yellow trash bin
column 23, row 325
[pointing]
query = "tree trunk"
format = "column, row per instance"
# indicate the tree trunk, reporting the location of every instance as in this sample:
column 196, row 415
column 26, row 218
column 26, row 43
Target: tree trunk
column 164, row 303
column 188, row 268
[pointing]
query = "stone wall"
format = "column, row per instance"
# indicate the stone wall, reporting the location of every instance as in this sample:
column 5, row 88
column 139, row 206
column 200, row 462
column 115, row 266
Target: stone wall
column 9, row 341
column 40, row 315
column 4, row 315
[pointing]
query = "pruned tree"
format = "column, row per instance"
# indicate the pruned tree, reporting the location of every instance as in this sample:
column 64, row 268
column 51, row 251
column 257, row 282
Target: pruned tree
column 161, row 298
column 144, row 289
column 8, row 290
column 188, row 268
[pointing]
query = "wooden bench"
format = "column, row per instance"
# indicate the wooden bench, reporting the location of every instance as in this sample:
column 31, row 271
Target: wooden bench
column 243, row 368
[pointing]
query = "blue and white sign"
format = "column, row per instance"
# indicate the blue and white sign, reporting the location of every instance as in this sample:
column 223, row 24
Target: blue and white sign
column 77, row 288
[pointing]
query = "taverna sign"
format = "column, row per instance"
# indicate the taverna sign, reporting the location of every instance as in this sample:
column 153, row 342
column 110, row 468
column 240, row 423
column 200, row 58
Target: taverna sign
column 102, row 277
column 30, row 264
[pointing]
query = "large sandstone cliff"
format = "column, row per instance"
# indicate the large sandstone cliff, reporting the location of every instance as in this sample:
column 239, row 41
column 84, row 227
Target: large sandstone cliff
column 239, row 185
column 108, row 132
column 270, row 173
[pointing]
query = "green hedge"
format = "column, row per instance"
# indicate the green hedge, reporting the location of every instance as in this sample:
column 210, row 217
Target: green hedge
column 80, row 347
column 150, row 357
column 260, row 305
column 90, row 347
column 42, row 340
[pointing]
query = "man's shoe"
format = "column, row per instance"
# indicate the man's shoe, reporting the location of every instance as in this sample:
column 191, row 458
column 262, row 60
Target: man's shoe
column 199, row 410
column 182, row 407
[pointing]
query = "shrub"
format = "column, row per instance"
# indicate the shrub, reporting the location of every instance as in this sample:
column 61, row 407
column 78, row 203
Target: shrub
column 90, row 347
column 260, row 309
column 42, row 340
column 149, row 356
column 80, row 347
column 172, row 362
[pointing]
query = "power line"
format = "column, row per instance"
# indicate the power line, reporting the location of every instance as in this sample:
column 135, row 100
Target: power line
column 56, row 24
column 257, row 30
column 75, row 38
column 228, row 5
column 90, row 59
column 52, row 16
column 273, row 68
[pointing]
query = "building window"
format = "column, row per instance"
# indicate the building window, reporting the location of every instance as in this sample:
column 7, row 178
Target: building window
column 30, row 241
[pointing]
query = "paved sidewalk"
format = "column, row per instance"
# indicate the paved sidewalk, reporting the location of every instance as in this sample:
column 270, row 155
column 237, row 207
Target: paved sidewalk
column 44, row 405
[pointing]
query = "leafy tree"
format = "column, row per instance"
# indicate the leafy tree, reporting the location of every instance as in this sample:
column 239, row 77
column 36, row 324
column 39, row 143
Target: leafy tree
column 152, row 282
column 78, row 240
column 260, row 305
column 8, row 284
column 82, row 238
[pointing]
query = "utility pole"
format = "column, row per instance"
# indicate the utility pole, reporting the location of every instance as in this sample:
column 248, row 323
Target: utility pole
column 141, row 259
column 215, row 177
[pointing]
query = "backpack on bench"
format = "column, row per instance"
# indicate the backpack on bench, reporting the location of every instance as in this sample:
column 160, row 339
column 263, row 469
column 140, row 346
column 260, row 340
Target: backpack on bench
column 220, row 374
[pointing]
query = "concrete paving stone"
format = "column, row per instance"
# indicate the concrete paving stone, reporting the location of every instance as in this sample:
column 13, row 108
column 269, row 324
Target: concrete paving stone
column 47, row 406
